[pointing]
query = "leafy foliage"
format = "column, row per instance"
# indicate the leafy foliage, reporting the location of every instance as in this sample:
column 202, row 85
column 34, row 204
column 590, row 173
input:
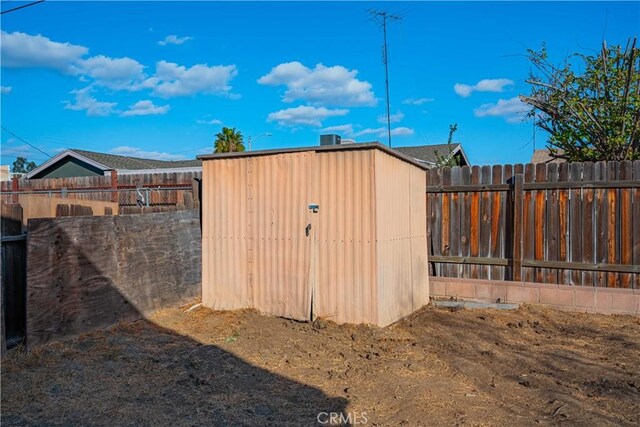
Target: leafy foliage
column 21, row 165
column 449, row 159
column 228, row 140
column 593, row 114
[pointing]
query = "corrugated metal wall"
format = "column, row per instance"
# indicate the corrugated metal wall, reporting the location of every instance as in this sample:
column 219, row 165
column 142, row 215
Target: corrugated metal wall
column 225, row 276
column 281, row 187
column 346, row 280
column 255, row 250
column 401, row 238
column 355, row 267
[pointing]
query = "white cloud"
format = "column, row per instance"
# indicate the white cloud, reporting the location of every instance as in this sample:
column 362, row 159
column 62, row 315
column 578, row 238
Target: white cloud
column 25, row 50
column 321, row 85
column 382, row 132
column 513, row 110
column 5, row 89
column 402, row 131
column 85, row 101
column 304, row 115
column 418, row 101
column 114, row 73
column 138, row 152
column 346, row 130
column 485, row 85
column 20, row 50
column 176, row 80
column 173, row 39
column 146, row 108
column 395, row 118
column 16, row 150
column 209, row 122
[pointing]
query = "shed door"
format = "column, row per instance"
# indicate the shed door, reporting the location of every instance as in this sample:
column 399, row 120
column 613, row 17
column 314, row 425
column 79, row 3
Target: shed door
column 279, row 190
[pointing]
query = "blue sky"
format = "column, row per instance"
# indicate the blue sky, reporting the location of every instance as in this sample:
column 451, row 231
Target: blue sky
column 159, row 79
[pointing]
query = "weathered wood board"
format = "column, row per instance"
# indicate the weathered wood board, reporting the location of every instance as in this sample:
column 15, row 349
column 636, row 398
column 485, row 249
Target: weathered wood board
column 43, row 206
column 86, row 273
column 576, row 223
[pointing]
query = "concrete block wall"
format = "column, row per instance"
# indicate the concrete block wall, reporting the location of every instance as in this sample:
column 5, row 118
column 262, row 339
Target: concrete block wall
column 563, row 297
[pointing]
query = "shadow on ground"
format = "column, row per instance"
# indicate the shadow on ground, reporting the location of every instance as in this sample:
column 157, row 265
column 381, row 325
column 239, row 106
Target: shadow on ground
column 141, row 374
column 137, row 373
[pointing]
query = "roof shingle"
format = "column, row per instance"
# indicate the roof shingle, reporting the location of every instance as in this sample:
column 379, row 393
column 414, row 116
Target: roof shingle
column 115, row 161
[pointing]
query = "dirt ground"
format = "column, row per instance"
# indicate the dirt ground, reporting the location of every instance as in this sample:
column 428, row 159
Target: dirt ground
column 437, row 367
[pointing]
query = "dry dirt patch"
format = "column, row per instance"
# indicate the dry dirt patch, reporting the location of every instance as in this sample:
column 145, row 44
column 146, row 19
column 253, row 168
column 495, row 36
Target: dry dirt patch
column 437, row 367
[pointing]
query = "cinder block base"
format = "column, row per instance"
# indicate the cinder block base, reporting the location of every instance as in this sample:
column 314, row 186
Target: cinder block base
column 564, row 297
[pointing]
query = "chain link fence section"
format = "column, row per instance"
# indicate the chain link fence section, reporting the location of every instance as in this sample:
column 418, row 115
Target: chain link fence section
column 130, row 200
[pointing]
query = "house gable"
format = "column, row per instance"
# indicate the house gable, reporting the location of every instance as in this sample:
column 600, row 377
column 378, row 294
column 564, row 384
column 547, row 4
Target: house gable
column 68, row 167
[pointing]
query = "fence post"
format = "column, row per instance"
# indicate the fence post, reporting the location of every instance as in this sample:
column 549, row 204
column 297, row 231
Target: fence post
column 14, row 189
column 114, row 186
column 518, row 207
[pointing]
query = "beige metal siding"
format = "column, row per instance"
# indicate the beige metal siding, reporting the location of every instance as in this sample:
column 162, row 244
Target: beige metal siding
column 346, row 276
column 398, row 235
column 224, row 235
column 281, row 191
column 255, row 252
column 419, row 264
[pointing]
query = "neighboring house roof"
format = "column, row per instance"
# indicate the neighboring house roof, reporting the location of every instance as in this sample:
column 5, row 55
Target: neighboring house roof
column 114, row 161
column 429, row 154
column 543, row 156
column 121, row 164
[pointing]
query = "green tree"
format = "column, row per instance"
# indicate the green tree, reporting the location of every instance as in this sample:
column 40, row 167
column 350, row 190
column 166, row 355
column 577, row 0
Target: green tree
column 591, row 114
column 449, row 159
column 228, row 141
column 21, row 165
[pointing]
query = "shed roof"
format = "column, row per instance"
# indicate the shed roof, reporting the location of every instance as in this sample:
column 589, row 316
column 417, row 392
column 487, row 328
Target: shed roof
column 317, row 148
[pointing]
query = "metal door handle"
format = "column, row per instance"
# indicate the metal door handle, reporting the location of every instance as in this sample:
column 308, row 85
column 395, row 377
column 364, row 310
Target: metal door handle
column 307, row 229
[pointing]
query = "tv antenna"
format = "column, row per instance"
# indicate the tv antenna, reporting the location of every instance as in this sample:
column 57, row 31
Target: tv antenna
column 381, row 17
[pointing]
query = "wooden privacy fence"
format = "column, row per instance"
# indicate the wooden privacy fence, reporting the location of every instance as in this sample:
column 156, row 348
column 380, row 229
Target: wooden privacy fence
column 156, row 190
column 561, row 223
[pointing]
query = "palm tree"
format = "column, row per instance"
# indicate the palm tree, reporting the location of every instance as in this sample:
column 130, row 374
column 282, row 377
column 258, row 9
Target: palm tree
column 228, row 141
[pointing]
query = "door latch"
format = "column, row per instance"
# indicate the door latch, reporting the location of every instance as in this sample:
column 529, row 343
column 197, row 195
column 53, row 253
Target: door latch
column 307, row 229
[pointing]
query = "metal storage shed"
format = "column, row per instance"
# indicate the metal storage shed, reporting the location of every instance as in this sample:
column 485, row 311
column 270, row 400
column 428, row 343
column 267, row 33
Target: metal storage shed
column 337, row 232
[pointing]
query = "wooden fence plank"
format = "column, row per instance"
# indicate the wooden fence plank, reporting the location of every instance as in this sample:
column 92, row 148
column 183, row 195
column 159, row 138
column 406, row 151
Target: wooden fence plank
column 436, row 209
column 517, row 221
column 575, row 223
column 446, row 221
column 474, row 250
column 551, row 224
column 455, row 270
column 428, row 197
column 528, row 232
column 636, row 222
column 564, row 276
column 588, row 224
column 465, row 222
column 497, row 221
column 506, row 224
column 485, row 221
column 540, row 221
column 601, row 232
column 625, row 224
column 613, row 225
